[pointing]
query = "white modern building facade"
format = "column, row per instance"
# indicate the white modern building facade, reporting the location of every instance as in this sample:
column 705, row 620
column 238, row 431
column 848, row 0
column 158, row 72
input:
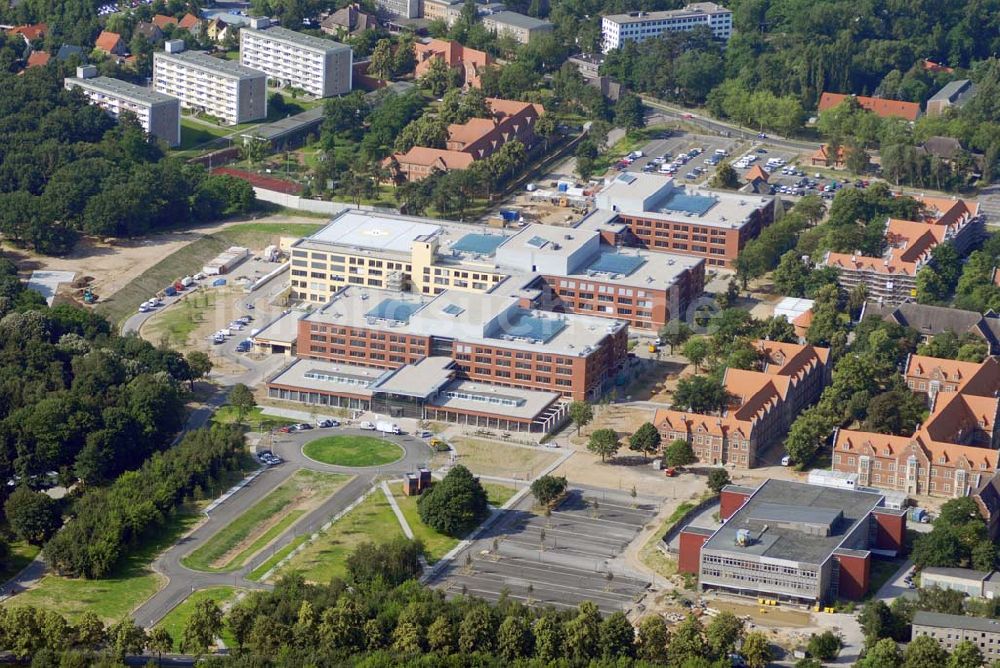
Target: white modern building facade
column 224, row 89
column 318, row 66
column 616, row 29
column 159, row 114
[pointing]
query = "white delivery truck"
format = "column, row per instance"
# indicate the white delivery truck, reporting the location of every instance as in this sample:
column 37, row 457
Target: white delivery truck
column 387, row 427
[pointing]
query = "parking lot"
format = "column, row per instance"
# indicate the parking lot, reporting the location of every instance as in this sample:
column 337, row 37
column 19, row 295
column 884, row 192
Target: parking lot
column 671, row 148
column 789, row 174
column 561, row 560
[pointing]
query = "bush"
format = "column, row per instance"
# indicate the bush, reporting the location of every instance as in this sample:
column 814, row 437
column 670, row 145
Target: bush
column 392, row 562
column 679, row 453
column 455, row 505
column 825, row 646
column 548, row 489
column 717, row 479
column 34, row 516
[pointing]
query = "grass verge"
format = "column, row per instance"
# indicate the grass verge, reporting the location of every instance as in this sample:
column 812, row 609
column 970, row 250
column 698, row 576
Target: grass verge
column 173, row 325
column 256, row 574
column 255, row 419
column 497, row 493
column 117, row 595
column 21, row 554
column 286, row 498
column 326, row 557
column 177, row 619
column 650, row 554
column 353, row 450
column 436, row 545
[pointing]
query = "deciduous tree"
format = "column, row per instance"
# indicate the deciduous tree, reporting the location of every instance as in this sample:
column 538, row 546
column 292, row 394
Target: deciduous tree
column 604, row 442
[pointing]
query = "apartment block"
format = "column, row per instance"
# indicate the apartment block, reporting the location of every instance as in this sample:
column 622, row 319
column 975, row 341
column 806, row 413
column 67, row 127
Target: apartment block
column 522, row 28
column 159, row 114
column 404, row 9
column 950, row 630
column 492, row 339
column 224, row 89
column 793, row 541
column 892, row 277
column 638, row 26
column 318, row 66
column 661, row 215
column 953, row 453
column 546, row 267
column 764, row 404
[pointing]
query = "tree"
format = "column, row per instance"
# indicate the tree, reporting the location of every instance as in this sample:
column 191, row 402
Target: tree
column 202, row 627
column 645, row 439
column 877, row 620
column 241, row 397
column 160, row 642
column 380, row 65
column 810, row 431
column 825, row 646
column 90, row 631
column 604, row 442
column 652, row 639
column 441, row 636
column 687, row 641
column 549, row 638
column 675, row 333
column 696, row 350
column 617, row 637
column 679, row 453
column 756, row 650
column 722, row 634
column 477, row 631
column 580, row 413
column 548, row 488
column 725, row 177
column 254, row 149
column 200, row 365
column 924, row 652
column 701, row 394
column 126, row 638
column 455, row 505
column 966, row 655
column 629, row 112
column 717, row 479
column 883, row 654
column 514, row 639
column 34, row 516
column 897, row 411
column 583, row 634
column 391, row 562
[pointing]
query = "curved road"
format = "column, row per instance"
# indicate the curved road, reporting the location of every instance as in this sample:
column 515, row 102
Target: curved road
column 183, row 581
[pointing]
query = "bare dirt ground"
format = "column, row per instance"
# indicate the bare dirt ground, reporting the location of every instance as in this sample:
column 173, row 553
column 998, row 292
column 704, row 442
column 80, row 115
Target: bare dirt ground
column 112, row 266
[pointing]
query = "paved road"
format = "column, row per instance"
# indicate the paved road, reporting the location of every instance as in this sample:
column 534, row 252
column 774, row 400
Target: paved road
column 183, row 581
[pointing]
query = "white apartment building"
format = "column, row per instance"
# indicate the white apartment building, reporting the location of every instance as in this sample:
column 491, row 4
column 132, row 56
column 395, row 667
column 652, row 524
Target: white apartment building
column 616, row 29
column 159, row 114
column 225, row 89
column 318, row 66
column 403, row 9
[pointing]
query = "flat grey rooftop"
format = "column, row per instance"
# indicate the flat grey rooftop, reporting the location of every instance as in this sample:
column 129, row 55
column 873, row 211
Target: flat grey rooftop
column 517, row 20
column 943, row 621
column 334, row 377
column 422, row 379
column 298, row 38
column 282, row 330
column 695, row 9
column 966, row 573
column 797, row 516
column 122, row 89
column 202, row 60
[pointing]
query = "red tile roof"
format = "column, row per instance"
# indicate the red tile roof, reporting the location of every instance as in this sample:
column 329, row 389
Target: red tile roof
column 756, row 173
column 108, row 41
column 161, row 21
column 878, row 106
column 189, row 21
column 31, row 32
column 428, row 157
column 39, row 59
column 931, row 66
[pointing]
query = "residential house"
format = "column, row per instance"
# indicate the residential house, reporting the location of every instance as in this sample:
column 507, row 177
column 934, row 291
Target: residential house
column 756, row 178
column 111, row 43
column 929, row 321
column 191, row 23
column 936, row 68
column 470, row 61
column 161, row 21
column 892, row 277
column 350, row 20
column 823, row 158
column 150, row 31
column 879, row 106
column 29, row 33
column 217, row 29
column 952, row 453
column 477, row 138
column 763, row 405
column 953, row 94
column 66, row 51
column 38, row 59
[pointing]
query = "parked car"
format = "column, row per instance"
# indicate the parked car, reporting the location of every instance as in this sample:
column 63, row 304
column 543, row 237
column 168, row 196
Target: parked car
column 786, row 460
column 326, row 424
column 285, row 430
column 368, row 426
column 243, row 347
column 303, row 426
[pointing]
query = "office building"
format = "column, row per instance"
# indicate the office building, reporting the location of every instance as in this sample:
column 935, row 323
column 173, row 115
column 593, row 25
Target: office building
column 492, row 338
column 661, row 215
column 792, row 541
column 318, row 66
column 977, row 584
column 401, row 9
column 764, row 403
column 522, row 28
column 950, row 630
column 953, row 452
column 638, row 26
column 548, row 267
column 227, row 90
column 159, row 114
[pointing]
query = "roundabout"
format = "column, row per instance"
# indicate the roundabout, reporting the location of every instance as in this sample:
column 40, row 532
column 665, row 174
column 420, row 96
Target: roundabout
column 353, row 451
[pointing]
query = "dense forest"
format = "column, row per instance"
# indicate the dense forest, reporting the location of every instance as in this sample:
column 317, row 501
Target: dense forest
column 67, row 168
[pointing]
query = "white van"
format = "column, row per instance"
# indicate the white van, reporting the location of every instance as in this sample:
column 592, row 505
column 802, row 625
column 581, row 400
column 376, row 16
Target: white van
column 369, row 426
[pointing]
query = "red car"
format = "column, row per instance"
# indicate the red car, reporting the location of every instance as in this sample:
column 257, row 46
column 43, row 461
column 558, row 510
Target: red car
column 284, row 430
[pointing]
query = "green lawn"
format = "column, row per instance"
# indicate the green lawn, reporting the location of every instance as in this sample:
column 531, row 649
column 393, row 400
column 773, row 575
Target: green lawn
column 21, row 554
column 194, row 134
column 259, row 572
column 255, row 419
column 116, row 596
column 283, row 503
column 325, row 558
column 174, row 324
column 353, row 450
column 177, row 619
column 190, row 259
column 498, row 493
column 436, row 545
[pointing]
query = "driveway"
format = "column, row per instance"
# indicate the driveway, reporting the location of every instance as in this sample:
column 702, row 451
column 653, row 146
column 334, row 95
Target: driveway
column 895, row 587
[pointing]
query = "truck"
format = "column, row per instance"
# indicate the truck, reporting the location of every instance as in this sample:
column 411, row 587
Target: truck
column 170, row 291
column 387, row 427
column 187, row 281
column 838, row 479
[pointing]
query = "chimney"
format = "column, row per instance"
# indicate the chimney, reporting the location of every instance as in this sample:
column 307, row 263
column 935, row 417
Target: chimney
column 86, row 72
column 173, row 45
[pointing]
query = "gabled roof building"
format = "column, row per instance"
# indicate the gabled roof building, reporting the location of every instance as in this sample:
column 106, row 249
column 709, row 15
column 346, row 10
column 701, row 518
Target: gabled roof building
column 881, row 107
